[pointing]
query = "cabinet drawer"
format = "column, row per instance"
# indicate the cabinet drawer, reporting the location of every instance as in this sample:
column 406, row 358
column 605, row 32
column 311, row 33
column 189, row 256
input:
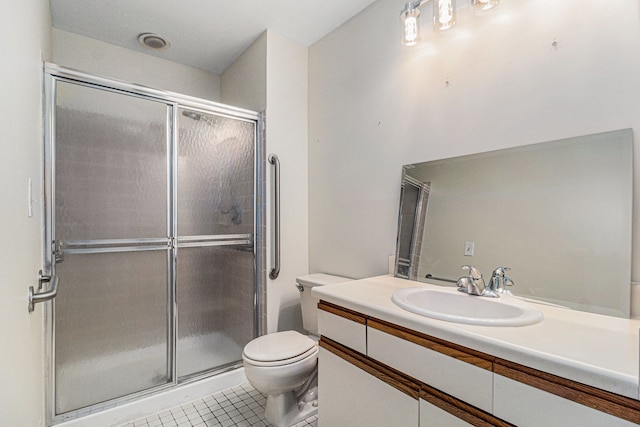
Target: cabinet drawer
column 463, row 380
column 525, row 405
column 343, row 326
column 519, row 390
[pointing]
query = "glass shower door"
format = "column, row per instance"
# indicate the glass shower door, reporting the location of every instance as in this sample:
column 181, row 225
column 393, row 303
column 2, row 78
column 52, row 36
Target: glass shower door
column 110, row 229
column 152, row 230
column 215, row 285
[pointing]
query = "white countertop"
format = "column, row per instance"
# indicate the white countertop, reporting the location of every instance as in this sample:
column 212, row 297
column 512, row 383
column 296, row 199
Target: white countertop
column 593, row 349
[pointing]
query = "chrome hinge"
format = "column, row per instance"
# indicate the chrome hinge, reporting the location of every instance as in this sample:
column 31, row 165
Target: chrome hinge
column 58, row 252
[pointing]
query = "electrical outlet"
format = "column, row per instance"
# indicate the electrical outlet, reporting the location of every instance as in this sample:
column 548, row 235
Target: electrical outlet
column 468, row 248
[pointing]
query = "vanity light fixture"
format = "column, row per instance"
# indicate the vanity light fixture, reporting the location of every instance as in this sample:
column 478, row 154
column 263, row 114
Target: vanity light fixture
column 444, row 16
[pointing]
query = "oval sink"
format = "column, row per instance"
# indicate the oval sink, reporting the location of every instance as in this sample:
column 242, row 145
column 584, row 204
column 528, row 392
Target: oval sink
column 454, row 306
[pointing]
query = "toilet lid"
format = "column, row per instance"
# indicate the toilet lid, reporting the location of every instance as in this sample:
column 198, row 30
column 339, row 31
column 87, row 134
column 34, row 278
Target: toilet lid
column 278, row 346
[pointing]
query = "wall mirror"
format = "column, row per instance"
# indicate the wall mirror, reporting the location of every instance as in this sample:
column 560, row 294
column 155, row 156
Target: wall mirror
column 558, row 213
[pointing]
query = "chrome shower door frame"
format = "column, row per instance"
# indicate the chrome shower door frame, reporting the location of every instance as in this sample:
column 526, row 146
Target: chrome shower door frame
column 54, row 74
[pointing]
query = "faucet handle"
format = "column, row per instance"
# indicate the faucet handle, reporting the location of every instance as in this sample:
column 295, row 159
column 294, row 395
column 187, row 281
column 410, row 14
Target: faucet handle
column 474, row 273
column 463, row 283
column 468, row 286
column 506, row 280
column 501, row 271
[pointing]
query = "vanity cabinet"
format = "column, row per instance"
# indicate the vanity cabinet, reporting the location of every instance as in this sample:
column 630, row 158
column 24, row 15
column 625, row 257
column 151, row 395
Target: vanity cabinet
column 352, row 393
column 357, row 389
column 375, row 373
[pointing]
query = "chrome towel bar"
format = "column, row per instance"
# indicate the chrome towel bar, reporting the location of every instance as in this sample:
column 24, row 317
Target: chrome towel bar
column 36, row 297
column 275, row 271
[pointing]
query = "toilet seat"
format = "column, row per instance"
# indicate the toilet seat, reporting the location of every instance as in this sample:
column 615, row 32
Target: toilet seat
column 312, row 352
column 280, row 348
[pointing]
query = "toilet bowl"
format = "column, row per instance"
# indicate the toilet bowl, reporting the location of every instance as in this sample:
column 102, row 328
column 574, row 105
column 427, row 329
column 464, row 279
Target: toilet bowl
column 283, row 365
column 285, row 380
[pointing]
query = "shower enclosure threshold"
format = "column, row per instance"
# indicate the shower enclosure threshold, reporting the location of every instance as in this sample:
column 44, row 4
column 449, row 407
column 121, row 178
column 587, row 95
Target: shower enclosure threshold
column 157, row 402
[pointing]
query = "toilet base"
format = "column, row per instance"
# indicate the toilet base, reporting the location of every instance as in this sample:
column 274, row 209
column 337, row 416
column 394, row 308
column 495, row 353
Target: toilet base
column 284, row 410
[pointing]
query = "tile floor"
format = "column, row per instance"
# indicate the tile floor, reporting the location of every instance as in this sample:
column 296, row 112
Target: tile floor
column 238, row 406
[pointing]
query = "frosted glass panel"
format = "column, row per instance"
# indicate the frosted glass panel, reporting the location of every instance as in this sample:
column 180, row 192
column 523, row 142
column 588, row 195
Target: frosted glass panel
column 111, row 330
column 215, row 175
column 215, row 291
column 112, row 326
column 111, row 165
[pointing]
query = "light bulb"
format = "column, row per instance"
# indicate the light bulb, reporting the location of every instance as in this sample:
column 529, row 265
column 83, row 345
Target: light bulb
column 484, row 5
column 444, row 14
column 410, row 27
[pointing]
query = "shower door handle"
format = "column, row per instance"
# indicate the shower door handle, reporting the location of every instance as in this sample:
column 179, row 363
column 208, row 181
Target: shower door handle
column 275, row 271
column 36, row 297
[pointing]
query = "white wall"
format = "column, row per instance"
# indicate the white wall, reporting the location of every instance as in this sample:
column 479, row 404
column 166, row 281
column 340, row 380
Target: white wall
column 375, row 105
column 287, row 137
column 244, row 83
column 272, row 75
column 104, row 59
column 26, row 29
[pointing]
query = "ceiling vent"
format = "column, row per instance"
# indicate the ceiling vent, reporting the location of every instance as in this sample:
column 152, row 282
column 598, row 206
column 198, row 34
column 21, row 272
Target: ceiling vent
column 153, row 41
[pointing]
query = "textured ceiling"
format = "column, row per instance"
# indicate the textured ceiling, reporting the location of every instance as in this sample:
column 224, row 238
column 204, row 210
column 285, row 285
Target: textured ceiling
column 206, row 34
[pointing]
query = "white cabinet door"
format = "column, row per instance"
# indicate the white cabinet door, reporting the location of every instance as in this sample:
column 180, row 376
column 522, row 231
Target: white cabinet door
column 349, row 396
column 432, row 416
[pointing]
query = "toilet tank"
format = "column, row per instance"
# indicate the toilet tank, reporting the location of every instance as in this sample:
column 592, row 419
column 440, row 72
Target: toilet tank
column 309, row 303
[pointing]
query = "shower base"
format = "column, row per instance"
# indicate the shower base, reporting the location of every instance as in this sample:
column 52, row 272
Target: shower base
column 158, row 402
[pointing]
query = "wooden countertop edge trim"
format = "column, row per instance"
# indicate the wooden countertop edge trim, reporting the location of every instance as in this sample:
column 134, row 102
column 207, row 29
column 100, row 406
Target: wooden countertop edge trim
column 464, row 354
column 342, row 312
column 592, row 397
column 460, row 409
column 384, row 373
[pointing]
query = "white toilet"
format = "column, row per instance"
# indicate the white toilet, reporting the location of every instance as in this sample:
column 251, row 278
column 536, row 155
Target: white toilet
column 284, row 365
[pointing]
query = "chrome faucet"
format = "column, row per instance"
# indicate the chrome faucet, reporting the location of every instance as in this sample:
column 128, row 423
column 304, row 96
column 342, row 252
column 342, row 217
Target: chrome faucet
column 473, row 283
column 499, row 280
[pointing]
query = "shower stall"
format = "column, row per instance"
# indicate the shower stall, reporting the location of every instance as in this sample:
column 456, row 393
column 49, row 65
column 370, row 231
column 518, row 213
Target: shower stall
column 154, row 228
